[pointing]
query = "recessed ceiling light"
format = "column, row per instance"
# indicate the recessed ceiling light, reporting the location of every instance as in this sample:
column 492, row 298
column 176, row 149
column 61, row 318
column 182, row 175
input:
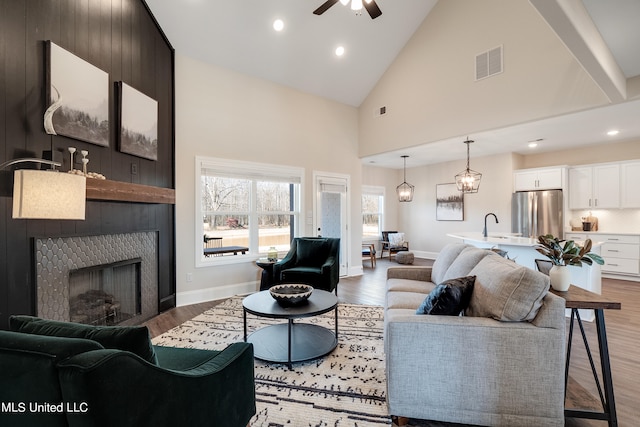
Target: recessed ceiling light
column 340, row 51
column 532, row 145
column 278, row 25
column 613, row 132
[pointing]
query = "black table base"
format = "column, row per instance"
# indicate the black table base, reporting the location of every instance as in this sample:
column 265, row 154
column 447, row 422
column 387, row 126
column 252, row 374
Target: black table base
column 271, row 343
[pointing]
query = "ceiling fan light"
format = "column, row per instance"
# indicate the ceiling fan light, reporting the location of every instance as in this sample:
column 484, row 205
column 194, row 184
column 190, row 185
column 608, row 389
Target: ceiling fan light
column 344, row 2
column 356, row 4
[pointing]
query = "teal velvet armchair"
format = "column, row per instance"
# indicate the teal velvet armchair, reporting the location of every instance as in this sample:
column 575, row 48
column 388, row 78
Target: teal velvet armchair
column 314, row 261
column 98, row 386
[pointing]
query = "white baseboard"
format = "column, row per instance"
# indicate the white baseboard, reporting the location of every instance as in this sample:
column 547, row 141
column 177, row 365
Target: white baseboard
column 425, row 254
column 621, row 277
column 355, row 270
column 215, row 293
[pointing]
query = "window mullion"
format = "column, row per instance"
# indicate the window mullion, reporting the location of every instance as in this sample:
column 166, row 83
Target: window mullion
column 253, row 218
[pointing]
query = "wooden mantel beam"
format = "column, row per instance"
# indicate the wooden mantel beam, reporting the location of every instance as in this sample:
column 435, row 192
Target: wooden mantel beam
column 101, row 189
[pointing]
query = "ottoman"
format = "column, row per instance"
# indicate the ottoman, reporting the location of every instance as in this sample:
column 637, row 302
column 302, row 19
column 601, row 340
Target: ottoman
column 404, row 257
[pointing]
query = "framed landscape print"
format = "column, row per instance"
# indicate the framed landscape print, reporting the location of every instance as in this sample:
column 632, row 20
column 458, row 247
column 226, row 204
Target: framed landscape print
column 449, row 203
column 78, row 98
column 138, row 122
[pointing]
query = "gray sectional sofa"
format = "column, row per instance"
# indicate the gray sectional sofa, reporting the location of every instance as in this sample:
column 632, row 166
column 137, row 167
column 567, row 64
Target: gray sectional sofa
column 499, row 364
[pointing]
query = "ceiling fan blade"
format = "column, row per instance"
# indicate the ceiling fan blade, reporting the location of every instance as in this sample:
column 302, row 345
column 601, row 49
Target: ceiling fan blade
column 372, row 8
column 323, row 8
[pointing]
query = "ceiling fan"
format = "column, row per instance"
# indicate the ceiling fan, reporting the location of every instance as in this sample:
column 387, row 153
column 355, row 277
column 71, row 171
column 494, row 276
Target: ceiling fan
column 370, row 5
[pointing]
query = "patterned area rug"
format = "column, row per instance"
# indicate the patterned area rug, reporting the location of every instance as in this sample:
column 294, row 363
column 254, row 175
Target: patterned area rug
column 345, row 388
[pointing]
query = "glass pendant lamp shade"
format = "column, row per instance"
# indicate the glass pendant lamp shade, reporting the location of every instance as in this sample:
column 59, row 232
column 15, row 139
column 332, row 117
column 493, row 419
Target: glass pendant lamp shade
column 468, row 181
column 405, row 190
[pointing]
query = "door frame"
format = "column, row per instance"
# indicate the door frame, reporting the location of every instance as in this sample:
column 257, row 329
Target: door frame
column 345, row 241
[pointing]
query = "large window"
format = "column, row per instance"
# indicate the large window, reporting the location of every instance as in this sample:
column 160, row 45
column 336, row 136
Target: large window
column 245, row 207
column 372, row 212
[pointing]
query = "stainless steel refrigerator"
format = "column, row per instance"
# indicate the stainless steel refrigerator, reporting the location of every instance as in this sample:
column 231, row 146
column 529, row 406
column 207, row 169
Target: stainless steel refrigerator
column 537, row 212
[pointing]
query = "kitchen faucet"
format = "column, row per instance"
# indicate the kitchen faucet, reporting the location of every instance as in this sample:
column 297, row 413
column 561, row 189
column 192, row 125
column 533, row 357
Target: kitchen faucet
column 484, row 232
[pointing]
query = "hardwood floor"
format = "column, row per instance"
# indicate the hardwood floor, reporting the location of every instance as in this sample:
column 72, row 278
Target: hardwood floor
column 623, row 333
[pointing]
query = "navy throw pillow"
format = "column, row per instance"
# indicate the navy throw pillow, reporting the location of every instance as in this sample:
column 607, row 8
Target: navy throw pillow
column 449, row 297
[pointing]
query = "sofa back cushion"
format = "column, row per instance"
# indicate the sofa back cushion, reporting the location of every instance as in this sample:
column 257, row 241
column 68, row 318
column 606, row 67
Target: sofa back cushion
column 468, row 258
column 443, row 261
column 128, row 338
column 506, row 291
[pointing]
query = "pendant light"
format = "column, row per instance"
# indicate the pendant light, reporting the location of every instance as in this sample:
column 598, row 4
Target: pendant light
column 468, row 181
column 405, row 190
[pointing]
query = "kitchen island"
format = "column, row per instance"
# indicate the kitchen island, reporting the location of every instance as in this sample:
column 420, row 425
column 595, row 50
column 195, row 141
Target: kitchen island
column 522, row 251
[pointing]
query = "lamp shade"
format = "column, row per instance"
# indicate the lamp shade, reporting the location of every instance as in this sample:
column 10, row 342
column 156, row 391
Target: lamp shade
column 41, row 194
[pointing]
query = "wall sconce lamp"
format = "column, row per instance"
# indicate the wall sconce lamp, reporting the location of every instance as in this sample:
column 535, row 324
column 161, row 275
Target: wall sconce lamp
column 468, row 181
column 47, row 194
column 405, row 190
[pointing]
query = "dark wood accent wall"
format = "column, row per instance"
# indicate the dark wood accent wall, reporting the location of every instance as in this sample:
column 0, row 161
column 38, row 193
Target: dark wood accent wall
column 122, row 38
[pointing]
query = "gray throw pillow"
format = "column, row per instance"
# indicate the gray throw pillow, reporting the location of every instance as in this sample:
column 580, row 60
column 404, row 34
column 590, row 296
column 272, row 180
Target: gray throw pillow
column 449, row 298
column 506, row 291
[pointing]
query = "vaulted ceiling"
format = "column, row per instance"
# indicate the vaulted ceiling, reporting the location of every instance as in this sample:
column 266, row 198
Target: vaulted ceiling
column 239, row 35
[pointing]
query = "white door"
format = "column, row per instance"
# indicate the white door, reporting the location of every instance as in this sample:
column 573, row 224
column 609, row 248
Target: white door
column 330, row 218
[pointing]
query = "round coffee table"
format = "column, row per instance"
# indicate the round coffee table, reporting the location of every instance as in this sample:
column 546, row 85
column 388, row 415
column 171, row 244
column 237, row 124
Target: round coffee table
column 291, row 342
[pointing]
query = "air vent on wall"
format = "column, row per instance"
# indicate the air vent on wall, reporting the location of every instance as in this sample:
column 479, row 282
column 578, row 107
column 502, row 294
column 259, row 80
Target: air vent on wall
column 489, row 63
column 380, row 111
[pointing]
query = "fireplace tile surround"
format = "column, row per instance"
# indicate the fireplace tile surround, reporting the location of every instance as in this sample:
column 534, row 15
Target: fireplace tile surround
column 57, row 257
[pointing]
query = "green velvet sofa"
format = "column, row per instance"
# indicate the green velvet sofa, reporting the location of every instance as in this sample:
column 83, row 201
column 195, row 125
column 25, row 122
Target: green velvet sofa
column 114, row 376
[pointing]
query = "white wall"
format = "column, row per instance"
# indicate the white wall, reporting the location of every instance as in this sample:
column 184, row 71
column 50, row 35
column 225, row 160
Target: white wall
column 224, row 114
column 417, row 219
column 427, row 236
column 430, row 93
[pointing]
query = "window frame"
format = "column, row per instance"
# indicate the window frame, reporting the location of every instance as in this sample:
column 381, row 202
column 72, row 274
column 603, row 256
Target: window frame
column 254, row 172
column 373, row 190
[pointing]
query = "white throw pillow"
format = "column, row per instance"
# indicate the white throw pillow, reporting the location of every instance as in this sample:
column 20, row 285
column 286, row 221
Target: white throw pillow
column 396, row 239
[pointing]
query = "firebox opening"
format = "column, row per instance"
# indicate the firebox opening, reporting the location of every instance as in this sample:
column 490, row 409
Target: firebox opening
column 106, row 294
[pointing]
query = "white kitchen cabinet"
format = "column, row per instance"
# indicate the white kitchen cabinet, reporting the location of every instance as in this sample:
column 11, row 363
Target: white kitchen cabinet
column 537, row 179
column 593, row 187
column 576, row 237
column 629, row 179
column 621, row 253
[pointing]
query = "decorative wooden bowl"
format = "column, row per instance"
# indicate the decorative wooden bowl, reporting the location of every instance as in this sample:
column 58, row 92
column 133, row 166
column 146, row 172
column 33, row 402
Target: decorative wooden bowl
column 288, row 294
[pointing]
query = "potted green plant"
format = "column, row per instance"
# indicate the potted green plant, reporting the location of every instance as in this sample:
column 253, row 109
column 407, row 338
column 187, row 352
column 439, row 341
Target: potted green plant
column 563, row 253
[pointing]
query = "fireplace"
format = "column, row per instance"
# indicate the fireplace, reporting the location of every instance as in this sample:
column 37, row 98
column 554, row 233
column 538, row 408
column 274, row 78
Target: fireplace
column 105, row 294
column 102, row 280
